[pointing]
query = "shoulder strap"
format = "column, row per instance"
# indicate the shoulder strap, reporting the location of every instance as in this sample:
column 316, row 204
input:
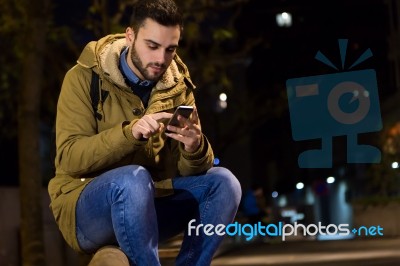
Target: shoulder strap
column 95, row 91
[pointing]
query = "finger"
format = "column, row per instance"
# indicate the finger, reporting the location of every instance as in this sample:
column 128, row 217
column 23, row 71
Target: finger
column 188, row 124
column 195, row 116
column 193, row 120
column 144, row 131
column 148, row 126
column 161, row 116
column 162, row 126
column 179, row 137
column 191, row 141
column 173, row 129
column 183, row 121
column 150, row 123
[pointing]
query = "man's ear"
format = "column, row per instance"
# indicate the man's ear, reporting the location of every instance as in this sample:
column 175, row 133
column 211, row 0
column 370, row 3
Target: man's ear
column 129, row 36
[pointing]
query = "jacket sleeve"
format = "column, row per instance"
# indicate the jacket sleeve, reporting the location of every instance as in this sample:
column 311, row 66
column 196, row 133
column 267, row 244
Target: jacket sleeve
column 80, row 149
column 197, row 162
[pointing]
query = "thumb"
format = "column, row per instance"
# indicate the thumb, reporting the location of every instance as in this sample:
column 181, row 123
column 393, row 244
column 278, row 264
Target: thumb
column 162, row 126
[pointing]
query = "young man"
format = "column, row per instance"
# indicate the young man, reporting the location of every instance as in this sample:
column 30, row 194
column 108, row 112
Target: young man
column 120, row 178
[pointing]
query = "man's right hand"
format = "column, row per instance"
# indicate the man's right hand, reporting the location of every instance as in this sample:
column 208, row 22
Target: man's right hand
column 149, row 125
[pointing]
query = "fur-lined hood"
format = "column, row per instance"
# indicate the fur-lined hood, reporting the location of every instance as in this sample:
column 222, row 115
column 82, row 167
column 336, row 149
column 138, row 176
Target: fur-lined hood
column 103, row 55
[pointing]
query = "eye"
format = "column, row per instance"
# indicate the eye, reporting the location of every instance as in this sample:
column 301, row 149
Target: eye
column 171, row 50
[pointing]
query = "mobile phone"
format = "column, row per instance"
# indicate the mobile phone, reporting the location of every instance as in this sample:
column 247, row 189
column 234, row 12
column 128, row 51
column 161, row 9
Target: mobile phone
column 182, row 110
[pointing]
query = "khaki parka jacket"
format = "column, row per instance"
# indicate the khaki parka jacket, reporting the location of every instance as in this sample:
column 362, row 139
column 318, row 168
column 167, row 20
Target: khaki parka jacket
column 87, row 146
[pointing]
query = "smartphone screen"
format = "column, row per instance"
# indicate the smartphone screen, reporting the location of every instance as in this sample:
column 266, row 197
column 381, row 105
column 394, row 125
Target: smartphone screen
column 182, row 110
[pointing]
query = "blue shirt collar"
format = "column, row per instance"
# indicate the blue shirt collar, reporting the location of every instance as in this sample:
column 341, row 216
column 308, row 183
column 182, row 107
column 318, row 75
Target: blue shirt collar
column 129, row 74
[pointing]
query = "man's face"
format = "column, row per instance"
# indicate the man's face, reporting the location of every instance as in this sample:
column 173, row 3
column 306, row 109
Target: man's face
column 152, row 49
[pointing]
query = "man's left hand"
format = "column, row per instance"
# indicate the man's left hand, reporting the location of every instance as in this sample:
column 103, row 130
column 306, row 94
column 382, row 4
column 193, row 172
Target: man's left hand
column 189, row 134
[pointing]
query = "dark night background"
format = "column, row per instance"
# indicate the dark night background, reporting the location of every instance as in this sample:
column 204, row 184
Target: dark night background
column 281, row 54
column 234, row 47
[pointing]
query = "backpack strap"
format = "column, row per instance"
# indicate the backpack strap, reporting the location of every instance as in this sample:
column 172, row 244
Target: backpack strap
column 95, row 97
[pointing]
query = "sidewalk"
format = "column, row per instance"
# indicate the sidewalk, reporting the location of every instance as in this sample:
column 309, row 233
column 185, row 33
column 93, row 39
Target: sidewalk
column 354, row 252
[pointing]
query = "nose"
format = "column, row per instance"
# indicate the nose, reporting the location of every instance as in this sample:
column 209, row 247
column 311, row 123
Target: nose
column 160, row 56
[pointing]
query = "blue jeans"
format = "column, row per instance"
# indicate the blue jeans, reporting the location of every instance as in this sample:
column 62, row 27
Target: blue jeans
column 119, row 208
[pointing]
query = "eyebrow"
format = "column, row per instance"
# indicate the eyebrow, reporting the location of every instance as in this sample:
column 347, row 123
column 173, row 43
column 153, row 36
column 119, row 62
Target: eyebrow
column 155, row 43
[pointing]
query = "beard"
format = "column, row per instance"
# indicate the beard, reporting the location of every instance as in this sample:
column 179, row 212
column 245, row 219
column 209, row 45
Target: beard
column 137, row 62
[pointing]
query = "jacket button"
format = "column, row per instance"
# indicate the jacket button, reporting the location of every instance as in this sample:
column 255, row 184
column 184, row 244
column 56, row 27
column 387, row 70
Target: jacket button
column 136, row 111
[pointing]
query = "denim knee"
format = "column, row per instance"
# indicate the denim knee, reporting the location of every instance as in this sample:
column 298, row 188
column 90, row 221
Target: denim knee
column 135, row 180
column 227, row 183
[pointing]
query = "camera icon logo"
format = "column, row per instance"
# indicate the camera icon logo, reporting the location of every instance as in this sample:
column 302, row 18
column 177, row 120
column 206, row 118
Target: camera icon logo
column 338, row 104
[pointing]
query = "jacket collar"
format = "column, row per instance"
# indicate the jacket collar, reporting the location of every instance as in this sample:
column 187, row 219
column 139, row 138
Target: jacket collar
column 104, row 54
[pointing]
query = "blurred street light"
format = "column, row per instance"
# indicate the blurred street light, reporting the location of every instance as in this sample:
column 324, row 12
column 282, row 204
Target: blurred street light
column 330, row 180
column 300, row 185
column 284, row 19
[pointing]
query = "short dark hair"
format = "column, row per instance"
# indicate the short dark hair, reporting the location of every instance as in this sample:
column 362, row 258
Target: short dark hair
column 164, row 12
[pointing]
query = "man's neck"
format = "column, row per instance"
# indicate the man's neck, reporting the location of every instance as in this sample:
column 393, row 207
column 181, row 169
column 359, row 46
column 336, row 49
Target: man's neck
column 128, row 72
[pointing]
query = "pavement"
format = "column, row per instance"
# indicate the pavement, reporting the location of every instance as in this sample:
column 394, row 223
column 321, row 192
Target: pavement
column 383, row 251
column 351, row 252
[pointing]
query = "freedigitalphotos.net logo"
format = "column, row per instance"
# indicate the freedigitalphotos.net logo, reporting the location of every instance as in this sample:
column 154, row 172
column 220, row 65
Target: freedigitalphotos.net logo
column 282, row 230
column 338, row 104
